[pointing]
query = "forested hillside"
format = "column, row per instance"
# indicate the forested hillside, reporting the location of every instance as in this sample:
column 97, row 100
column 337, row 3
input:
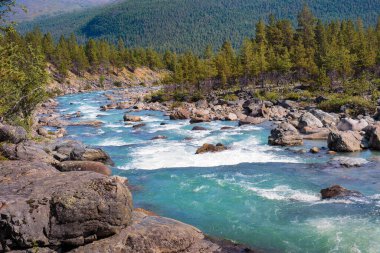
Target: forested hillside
column 36, row 8
column 192, row 24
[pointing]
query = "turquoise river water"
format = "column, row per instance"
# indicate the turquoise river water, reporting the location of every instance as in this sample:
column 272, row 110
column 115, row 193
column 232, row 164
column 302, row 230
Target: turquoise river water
column 265, row 197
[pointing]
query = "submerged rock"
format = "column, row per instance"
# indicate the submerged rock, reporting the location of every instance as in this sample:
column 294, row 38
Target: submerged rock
column 227, row 128
column 159, row 137
column 349, row 161
column 209, row 148
column 199, row 128
column 139, row 125
column 337, row 191
column 285, row 135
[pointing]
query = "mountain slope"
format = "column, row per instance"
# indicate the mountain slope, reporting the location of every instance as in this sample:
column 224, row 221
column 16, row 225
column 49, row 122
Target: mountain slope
column 191, row 24
column 38, row 8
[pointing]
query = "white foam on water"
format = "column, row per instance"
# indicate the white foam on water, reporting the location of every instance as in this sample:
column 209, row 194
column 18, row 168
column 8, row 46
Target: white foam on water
column 168, row 127
column 112, row 142
column 285, row 193
column 200, row 188
column 350, row 234
column 113, row 125
column 90, row 112
column 173, row 154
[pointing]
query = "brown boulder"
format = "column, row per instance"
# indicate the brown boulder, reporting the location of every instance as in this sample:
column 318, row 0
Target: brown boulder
column 180, row 113
column 131, row 118
column 209, row 148
column 252, row 121
column 348, row 141
column 337, row 191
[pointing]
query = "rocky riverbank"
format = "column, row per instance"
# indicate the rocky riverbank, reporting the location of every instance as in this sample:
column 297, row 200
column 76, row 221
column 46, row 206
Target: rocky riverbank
column 59, row 196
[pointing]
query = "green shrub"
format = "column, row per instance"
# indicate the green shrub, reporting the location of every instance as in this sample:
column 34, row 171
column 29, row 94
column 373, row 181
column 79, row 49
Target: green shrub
column 158, row 96
column 180, row 96
column 296, row 96
column 354, row 105
column 118, row 84
column 270, row 96
column 196, row 97
column 101, row 81
column 230, row 97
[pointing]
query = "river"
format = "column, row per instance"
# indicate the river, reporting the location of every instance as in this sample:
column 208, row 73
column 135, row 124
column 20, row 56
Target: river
column 262, row 196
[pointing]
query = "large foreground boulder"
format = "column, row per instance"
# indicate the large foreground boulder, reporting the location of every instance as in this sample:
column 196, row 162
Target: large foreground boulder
column 153, row 234
column 337, row 191
column 150, row 233
column 40, row 206
column 12, row 134
column 285, row 134
column 348, row 141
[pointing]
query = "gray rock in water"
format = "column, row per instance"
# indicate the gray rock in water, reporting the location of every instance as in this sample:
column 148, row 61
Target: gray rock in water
column 285, row 135
column 337, row 191
column 199, row 128
column 349, row 161
column 348, row 141
column 131, row 118
column 39, row 205
column 12, row 134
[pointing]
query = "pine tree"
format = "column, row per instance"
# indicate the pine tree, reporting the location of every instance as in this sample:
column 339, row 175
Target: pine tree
column 306, row 27
column 62, row 58
column 92, row 54
column 48, row 46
